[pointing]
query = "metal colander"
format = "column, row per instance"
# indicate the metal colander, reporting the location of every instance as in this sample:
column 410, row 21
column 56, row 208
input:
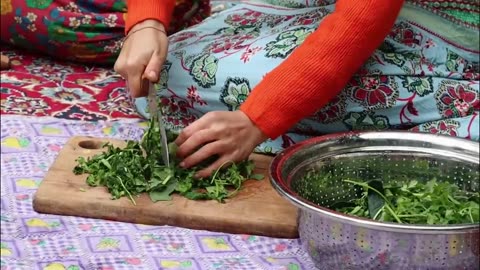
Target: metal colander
column 338, row 241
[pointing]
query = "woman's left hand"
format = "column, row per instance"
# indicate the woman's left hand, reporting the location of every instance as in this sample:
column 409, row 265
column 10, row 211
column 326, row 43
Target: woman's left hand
column 230, row 135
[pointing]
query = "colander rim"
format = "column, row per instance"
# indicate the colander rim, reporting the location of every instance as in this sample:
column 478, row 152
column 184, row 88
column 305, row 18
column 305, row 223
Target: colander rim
column 281, row 186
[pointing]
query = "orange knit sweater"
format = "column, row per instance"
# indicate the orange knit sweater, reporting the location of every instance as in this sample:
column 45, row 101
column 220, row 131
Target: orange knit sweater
column 316, row 71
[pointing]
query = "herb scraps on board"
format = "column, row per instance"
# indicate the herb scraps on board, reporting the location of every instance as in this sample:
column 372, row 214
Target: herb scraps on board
column 138, row 168
column 408, row 201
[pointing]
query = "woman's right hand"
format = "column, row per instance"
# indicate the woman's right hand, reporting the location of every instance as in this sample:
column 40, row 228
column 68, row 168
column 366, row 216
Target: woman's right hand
column 142, row 55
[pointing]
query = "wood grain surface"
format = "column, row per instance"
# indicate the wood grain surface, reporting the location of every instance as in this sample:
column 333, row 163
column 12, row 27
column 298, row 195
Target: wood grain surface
column 257, row 209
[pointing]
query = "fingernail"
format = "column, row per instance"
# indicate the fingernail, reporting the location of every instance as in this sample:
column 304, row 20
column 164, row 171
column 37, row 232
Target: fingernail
column 182, row 164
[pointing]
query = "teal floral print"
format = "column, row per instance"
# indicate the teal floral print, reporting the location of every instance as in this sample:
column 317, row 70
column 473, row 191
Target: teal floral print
column 366, row 121
column 420, row 86
column 447, row 127
column 204, row 69
column 163, row 78
column 457, row 100
column 453, row 61
column 417, row 80
column 374, row 91
column 459, row 66
column 235, row 92
column 286, row 42
column 286, row 3
column 247, row 20
column 333, row 111
column 404, row 33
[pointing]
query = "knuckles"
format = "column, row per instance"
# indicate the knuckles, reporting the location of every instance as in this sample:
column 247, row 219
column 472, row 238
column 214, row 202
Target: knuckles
column 212, row 115
column 131, row 64
column 200, row 137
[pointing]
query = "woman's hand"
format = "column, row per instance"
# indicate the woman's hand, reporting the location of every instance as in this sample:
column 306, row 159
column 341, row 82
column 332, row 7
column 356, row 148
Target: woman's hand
column 230, row 135
column 142, row 55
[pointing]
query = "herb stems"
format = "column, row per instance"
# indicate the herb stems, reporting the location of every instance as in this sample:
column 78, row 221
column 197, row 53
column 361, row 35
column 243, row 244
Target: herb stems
column 388, row 204
column 138, row 168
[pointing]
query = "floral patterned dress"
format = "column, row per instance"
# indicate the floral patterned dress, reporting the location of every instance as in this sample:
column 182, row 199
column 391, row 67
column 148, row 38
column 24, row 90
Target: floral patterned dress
column 88, row 31
column 424, row 77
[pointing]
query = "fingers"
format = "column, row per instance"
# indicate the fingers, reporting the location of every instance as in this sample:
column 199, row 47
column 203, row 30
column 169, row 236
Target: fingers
column 195, row 141
column 142, row 57
column 131, row 71
column 203, row 153
column 134, row 82
column 119, row 66
column 154, row 66
column 191, row 129
column 131, row 68
column 219, row 163
column 134, row 71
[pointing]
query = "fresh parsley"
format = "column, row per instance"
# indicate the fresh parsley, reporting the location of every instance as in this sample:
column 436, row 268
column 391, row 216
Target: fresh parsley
column 138, row 168
column 409, row 202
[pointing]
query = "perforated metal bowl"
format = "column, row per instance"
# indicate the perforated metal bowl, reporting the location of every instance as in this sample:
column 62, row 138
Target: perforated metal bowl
column 338, row 241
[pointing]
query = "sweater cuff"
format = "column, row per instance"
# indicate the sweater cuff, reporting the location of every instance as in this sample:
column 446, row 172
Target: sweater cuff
column 272, row 122
column 141, row 10
column 261, row 122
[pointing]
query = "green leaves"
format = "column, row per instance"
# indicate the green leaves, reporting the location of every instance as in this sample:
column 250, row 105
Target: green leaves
column 163, row 195
column 138, row 168
column 375, row 201
column 433, row 203
column 257, row 176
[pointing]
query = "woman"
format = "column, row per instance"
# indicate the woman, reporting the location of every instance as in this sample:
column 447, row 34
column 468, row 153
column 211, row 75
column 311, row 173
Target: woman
column 272, row 76
column 356, row 67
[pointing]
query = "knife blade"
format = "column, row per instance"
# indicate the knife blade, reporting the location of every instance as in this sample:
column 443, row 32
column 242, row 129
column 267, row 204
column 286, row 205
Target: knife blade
column 156, row 112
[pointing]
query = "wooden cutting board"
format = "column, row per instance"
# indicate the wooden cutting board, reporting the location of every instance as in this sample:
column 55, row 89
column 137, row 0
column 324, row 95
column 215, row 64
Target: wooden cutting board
column 256, row 210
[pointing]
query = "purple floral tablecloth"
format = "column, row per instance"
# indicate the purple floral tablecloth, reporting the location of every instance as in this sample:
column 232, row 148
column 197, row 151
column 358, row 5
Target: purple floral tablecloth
column 30, row 240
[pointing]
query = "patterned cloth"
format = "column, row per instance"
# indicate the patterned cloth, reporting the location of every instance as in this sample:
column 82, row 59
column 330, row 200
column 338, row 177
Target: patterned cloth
column 32, row 241
column 459, row 11
column 39, row 86
column 88, row 31
column 418, row 79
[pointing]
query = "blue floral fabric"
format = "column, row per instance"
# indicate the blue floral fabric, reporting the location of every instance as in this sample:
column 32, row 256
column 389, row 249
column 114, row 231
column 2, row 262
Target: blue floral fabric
column 418, row 79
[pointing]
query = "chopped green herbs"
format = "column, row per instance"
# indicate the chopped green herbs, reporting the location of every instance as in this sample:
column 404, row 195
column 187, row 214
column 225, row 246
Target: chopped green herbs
column 409, row 202
column 138, row 168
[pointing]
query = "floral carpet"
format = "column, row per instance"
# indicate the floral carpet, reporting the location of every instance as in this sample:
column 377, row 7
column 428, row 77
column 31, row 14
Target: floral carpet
column 38, row 86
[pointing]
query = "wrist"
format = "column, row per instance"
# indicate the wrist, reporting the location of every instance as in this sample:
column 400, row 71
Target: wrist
column 148, row 23
column 256, row 132
column 261, row 137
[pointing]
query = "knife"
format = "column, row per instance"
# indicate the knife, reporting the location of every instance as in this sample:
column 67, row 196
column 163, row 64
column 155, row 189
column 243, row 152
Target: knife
column 155, row 112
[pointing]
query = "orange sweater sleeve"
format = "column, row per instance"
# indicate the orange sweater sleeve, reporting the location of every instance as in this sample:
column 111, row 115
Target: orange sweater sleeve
column 140, row 10
column 321, row 67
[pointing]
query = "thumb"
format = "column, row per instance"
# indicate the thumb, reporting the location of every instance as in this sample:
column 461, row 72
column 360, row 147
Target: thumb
column 153, row 68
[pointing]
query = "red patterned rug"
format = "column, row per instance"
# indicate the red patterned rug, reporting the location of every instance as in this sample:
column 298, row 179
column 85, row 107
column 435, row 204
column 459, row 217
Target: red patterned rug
column 40, row 86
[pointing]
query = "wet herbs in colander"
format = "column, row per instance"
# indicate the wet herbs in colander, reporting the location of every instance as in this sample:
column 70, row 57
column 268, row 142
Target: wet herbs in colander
column 409, row 202
column 137, row 168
